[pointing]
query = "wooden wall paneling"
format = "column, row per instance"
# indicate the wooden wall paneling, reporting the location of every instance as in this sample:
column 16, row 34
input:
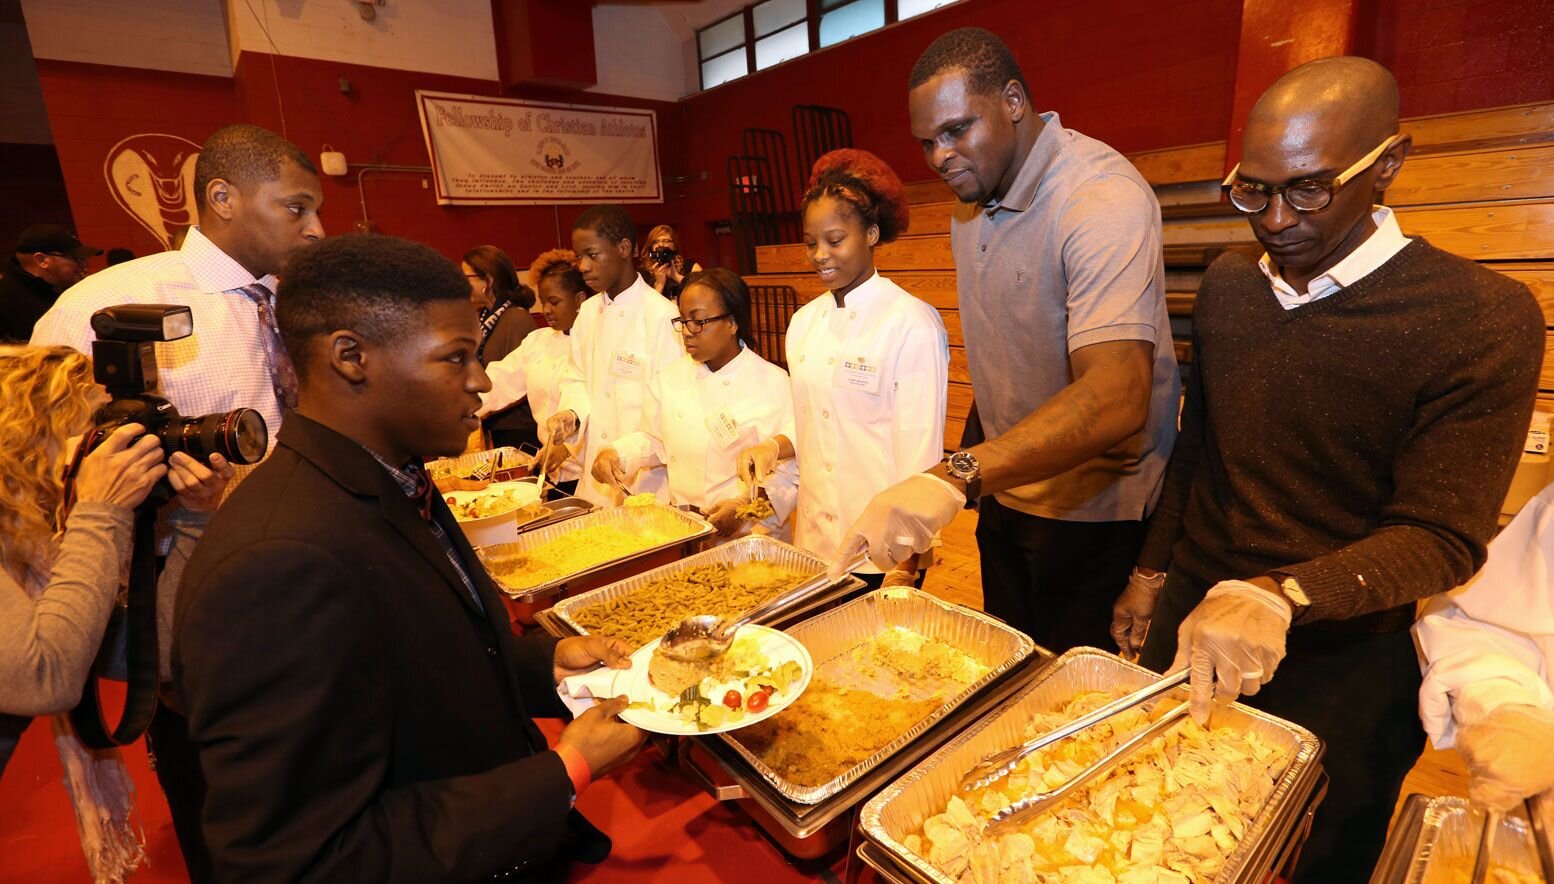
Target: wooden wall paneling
column 1218, row 230
column 932, row 190
column 907, row 253
column 1486, row 231
column 934, row 286
column 960, row 371
column 931, row 218
column 1516, row 124
column 1539, row 278
column 1177, row 165
column 1525, row 172
column 1546, row 378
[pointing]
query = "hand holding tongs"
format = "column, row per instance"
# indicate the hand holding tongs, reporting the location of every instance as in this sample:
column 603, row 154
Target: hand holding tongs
column 998, row 765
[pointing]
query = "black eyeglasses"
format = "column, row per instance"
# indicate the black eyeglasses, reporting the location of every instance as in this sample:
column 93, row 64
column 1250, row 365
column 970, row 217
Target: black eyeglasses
column 694, row 326
column 1305, row 195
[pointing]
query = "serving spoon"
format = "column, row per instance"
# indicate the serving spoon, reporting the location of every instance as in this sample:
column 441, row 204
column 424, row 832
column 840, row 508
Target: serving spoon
column 706, row 636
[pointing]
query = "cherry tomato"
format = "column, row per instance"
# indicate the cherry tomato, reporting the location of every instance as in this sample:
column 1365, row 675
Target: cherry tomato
column 758, row 701
column 732, row 700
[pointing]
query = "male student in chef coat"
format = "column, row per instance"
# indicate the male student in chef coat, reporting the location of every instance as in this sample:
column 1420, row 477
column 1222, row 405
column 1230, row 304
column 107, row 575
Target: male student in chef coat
column 622, row 337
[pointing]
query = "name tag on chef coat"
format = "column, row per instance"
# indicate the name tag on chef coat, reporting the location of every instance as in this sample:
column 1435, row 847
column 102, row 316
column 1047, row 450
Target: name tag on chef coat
column 724, row 430
column 628, row 366
column 859, row 374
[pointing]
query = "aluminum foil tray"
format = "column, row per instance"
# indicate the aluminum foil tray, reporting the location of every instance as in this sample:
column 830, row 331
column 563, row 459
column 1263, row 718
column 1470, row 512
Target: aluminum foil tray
column 1435, row 841
column 624, row 517
column 901, row 807
column 745, row 549
column 836, row 632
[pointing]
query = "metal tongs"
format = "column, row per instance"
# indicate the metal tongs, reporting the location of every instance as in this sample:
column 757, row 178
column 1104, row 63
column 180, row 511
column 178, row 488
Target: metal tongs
column 997, row 766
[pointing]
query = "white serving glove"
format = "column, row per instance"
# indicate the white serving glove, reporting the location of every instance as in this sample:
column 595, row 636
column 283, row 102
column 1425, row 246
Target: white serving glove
column 902, row 520
column 758, row 462
column 1233, row 641
column 1510, row 755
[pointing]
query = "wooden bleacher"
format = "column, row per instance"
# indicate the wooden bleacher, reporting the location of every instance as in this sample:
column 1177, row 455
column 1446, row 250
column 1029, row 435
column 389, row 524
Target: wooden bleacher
column 1479, row 184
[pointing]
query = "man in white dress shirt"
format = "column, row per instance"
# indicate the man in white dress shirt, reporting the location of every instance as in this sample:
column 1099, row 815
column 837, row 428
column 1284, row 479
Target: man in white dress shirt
column 621, row 339
column 258, row 201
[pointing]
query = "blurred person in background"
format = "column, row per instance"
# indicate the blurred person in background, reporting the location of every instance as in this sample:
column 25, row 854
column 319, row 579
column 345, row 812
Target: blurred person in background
column 505, row 322
column 47, row 260
column 664, row 265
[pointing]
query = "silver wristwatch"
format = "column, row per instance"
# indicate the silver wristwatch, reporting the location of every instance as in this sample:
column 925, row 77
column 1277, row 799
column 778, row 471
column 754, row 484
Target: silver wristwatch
column 963, row 465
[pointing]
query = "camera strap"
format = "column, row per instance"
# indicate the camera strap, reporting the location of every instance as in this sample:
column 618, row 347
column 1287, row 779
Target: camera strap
column 143, row 670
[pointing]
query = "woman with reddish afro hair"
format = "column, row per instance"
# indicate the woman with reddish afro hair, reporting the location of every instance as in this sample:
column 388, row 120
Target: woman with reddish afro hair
column 869, row 364
column 541, row 370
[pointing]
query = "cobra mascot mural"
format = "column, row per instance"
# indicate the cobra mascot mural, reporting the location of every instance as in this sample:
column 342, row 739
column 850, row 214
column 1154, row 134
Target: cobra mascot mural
column 151, row 176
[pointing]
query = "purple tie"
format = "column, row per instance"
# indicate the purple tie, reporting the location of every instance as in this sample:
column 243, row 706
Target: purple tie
column 283, row 375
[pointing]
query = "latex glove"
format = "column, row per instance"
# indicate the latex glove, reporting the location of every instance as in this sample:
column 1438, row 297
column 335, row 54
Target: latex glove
column 899, row 577
column 1133, row 611
column 757, row 462
column 608, row 469
column 1508, row 755
column 552, row 458
column 902, row 520
column 724, row 517
column 562, row 425
column 1233, row 641
column 199, row 487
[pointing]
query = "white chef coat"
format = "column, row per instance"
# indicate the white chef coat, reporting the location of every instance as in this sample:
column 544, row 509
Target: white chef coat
column 870, row 382
column 540, row 369
column 620, row 343
column 1490, row 642
column 696, row 421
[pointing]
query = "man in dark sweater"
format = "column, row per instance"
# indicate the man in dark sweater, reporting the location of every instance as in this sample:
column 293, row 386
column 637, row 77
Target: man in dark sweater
column 48, row 259
column 1354, row 412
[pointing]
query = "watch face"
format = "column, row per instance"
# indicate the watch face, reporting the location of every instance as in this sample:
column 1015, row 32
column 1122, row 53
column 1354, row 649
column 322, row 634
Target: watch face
column 964, row 462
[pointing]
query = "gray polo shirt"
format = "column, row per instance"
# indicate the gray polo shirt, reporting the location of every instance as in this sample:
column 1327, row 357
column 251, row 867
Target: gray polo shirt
column 1071, row 257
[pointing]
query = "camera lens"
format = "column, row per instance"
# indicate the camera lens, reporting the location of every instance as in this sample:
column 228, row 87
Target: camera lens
column 239, row 435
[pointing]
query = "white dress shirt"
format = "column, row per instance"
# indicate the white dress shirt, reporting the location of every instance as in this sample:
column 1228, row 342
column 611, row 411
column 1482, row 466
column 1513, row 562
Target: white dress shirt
column 696, row 421
column 870, row 382
column 1490, row 642
column 620, row 343
column 1378, row 249
column 222, row 365
column 540, row 369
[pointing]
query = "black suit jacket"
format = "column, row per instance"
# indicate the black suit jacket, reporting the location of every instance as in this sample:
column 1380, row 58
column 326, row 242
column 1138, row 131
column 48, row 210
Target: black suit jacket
column 357, row 717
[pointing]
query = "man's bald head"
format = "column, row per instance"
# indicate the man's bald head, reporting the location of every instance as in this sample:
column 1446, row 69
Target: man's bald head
column 1348, row 104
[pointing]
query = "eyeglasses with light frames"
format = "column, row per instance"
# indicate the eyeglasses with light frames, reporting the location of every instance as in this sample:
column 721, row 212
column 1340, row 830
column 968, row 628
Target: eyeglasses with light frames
column 1303, row 195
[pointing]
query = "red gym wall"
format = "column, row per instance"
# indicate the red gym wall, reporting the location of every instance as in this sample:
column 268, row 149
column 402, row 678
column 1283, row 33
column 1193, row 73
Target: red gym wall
column 92, row 107
column 1140, row 74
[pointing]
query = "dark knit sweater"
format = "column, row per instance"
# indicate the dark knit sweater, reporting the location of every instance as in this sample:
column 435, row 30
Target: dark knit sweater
column 1362, row 443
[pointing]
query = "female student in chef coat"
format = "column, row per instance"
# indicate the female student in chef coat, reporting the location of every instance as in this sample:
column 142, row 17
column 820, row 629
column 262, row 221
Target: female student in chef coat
column 702, row 410
column 541, row 368
column 869, row 363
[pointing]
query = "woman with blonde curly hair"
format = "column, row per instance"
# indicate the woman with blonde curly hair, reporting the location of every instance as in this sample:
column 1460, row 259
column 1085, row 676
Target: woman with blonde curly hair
column 661, row 259
column 869, row 362
column 60, row 571
column 541, row 369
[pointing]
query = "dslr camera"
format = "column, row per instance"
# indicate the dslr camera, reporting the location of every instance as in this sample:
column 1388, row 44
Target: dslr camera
column 124, row 361
column 662, row 255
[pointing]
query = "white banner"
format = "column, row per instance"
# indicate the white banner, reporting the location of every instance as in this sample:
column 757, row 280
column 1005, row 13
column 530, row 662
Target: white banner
column 498, row 151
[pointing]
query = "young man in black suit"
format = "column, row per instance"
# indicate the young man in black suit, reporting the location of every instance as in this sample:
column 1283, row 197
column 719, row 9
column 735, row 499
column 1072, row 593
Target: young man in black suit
column 361, row 708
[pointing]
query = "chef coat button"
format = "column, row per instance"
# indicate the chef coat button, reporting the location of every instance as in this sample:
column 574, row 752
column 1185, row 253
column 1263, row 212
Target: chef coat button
column 853, row 315
column 490, row 652
column 804, row 409
column 604, row 435
column 801, row 358
column 671, row 458
column 725, row 383
column 828, row 468
column 679, row 414
column 831, row 360
column 608, row 395
column 826, row 413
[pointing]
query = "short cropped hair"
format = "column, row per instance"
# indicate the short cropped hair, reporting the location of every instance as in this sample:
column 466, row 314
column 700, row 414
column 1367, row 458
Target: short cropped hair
column 244, row 154
column 985, row 58
column 610, row 222
column 733, row 293
column 865, row 183
column 371, row 284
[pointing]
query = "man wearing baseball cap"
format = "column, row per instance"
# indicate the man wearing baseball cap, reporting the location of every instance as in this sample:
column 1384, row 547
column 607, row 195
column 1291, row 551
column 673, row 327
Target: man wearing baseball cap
column 48, row 260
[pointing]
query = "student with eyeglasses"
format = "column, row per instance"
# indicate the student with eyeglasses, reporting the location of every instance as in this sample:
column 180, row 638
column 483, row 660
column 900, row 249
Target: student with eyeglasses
column 701, row 411
column 1356, row 404
column 870, row 366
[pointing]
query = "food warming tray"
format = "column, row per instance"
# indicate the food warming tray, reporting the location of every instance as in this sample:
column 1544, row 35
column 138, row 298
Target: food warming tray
column 1435, row 839
column 694, row 527
column 924, row 791
column 821, row 589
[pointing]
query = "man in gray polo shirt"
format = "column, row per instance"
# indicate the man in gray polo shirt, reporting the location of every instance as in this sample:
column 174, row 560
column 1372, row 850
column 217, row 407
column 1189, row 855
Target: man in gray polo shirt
column 1060, row 276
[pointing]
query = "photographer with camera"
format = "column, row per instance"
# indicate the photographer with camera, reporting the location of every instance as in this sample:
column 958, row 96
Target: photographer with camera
column 258, row 197
column 662, row 260
column 60, row 571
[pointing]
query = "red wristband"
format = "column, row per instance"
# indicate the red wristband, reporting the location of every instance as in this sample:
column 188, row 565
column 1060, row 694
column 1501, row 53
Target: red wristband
column 577, row 767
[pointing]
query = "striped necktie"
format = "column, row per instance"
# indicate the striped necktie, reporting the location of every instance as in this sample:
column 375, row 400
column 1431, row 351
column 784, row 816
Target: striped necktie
column 283, row 375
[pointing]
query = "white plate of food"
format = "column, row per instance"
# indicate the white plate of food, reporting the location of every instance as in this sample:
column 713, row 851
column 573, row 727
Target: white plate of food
column 760, row 675
column 491, row 515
